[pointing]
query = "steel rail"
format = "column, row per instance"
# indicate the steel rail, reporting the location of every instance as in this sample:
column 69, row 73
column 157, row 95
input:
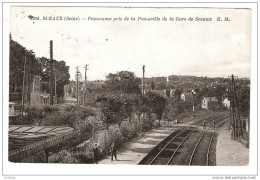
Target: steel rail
column 179, row 147
column 166, row 146
column 192, row 155
column 209, row 119
column 211, row 140
column 207, row 162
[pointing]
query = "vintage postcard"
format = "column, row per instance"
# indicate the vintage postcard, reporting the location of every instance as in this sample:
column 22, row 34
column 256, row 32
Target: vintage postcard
column 115, row 86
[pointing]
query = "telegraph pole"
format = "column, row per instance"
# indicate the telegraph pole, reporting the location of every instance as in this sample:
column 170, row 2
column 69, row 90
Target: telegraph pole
column 28, row 83
column 239, row 124
column 85, row 84
column 51, row 75
column 55, row 84
column 143, row 80
column 236, row 121
column 233, row 108
column 24, row 68
column 229, row 98
column 77, row 83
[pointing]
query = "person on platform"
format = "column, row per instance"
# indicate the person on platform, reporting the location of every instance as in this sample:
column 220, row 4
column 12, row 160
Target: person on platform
column 113, row 151
column 95, row 153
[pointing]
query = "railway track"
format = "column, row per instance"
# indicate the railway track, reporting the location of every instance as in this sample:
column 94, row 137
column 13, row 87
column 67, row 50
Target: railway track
column 200, row 156
column 167, row 150
column 210, row 119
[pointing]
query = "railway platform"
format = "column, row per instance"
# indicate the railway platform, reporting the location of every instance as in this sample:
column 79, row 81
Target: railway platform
column 134, row 151
column 230, row 152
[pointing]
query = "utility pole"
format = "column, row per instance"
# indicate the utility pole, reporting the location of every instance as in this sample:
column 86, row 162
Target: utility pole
column 77, row 83
column 51, row 75
column 239, row 124
column 28, row 83
column 55, row 84
column 234, row 108
column 229, row 98
column 193, row 94
column 85, row 84
column 24, row 68
column 143, row 80
column 236, row 121
column 78, row 77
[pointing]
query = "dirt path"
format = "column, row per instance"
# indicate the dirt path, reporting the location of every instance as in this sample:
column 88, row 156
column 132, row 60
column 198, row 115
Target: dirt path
column 230, row 152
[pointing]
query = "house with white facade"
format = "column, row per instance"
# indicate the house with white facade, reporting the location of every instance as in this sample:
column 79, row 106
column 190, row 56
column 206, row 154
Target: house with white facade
column 226, row 103
column 209, row 103
column 187, row 96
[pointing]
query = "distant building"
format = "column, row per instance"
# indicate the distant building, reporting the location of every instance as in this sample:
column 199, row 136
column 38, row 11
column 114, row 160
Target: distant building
column 166, row 93
column 187, row 96
column 91, row 92
column 71, row 88
column 39, row 98
column 226, row 103
column 14, row 109
column 209, row 103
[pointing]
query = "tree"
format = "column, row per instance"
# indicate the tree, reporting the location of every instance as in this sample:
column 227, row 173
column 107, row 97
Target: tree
column 220, row 92
column 152, row 85
column 123, row 82
column 161, row 85
column 36, row 66
column 119, row 107
column 16, row 60
column 244, row 100
column 60, row 69
column 156, row 102
column 178, row 92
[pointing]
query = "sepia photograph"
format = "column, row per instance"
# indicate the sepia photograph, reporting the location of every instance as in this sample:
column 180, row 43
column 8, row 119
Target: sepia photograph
column 108, row 86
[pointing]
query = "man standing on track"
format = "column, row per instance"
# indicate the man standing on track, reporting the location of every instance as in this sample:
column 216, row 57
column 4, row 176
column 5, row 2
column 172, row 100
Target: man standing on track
column 204, row 124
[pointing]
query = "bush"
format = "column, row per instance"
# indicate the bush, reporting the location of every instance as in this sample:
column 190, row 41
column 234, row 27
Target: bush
column 64, row 156
column 50, row 109
column 128, row 132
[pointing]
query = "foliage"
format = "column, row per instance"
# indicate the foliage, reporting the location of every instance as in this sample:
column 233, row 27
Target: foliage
column 118, row 107
column 16, row 68
column 36, row 66
column 60, row 71
column 155, row 102
column 178, row 92
column 124, row 82
column 152, row 85
column 176, row 109
column 65, row 157
column 105, row 137
column 244, row 100
column 70, row 115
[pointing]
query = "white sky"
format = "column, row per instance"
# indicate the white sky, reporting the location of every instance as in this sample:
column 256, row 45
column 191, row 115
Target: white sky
column 165, row 48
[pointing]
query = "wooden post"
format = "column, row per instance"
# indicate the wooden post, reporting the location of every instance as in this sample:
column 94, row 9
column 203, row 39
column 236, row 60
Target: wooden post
column 24, row 69
column 239, row 124
column 233, row 108
column 28, row 83
column 51, row 73
column 143, row 80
